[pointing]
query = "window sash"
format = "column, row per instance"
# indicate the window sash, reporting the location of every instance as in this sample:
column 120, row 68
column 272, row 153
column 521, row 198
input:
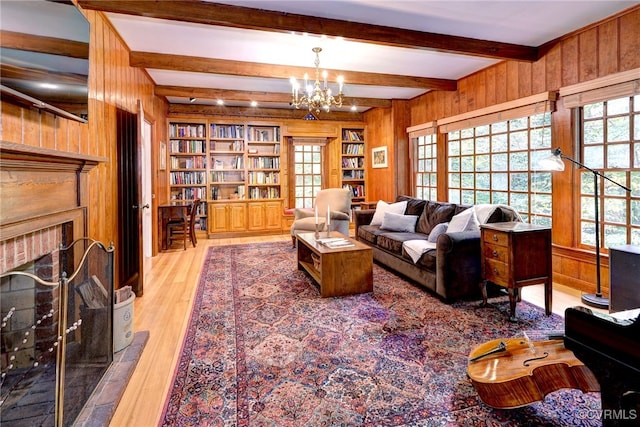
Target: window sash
column 613, row 86
column 495, row 163
column 524, row 107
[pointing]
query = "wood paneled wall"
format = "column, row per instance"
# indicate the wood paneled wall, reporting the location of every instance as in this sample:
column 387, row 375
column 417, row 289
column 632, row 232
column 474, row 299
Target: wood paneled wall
column 113, row 83
column 381, row 182
column 603, row 48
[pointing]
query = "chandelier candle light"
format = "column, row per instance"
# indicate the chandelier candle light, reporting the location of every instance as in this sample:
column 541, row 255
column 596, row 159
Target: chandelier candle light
column 317, row 97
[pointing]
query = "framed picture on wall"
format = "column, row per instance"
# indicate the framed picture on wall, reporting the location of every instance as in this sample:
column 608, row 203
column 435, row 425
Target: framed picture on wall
column 162, row 165
column 379, row 156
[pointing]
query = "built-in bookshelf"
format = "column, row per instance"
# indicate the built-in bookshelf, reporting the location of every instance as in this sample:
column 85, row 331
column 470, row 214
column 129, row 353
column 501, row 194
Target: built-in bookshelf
column 188, row 166
column 352, row 158
column 226, row 164
column 227, row 160
column 263, row 162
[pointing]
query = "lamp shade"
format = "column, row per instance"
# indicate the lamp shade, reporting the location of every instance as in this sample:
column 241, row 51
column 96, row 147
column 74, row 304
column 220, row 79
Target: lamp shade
column 552, row 162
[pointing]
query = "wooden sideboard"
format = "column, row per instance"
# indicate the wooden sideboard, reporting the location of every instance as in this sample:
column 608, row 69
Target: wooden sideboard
column 516, row 254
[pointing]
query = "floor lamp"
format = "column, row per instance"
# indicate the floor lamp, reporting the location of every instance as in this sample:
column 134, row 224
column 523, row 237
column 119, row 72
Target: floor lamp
column 554, row 163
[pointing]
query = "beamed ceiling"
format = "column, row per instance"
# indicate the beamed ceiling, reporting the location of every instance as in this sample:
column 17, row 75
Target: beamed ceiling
column 199, row 52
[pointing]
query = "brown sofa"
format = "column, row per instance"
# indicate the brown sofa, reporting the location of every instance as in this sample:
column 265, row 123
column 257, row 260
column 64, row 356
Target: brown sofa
column 452, row 270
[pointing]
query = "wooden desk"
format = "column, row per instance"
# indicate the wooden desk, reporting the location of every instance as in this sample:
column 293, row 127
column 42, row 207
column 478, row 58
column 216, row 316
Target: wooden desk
column 516, row 254
column 170, row 212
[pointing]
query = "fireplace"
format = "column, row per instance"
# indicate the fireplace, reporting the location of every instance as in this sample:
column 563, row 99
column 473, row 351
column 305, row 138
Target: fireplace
column 42, row 209
column 57, row 335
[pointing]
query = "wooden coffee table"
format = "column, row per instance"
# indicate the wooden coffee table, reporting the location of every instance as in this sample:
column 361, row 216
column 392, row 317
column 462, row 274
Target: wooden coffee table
column 340, row 271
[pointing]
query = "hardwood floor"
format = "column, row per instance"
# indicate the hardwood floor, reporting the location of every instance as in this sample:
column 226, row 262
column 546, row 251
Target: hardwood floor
column 164, row 311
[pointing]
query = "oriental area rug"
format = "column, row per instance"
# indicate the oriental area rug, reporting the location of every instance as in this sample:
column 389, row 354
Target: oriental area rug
column 264, row 349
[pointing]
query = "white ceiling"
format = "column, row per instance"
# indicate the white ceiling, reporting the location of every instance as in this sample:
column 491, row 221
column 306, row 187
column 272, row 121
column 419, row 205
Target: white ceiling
column 529, row 23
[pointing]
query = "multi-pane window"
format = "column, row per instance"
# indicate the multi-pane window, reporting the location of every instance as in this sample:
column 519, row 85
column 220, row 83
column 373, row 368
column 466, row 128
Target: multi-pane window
column 426, row 184
column 611, row 145
column 307, row 169
column 497, row 163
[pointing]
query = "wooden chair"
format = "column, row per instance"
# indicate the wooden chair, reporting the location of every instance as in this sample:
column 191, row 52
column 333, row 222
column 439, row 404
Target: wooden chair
column 183, row 227
column 192, row 222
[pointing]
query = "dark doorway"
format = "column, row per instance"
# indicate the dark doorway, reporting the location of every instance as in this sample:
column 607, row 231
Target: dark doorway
column 129, row 250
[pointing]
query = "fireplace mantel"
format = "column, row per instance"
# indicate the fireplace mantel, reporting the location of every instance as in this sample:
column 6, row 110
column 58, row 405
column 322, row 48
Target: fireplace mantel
column 41, row 188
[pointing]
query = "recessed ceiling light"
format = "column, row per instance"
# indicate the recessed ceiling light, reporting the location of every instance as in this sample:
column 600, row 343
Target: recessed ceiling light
column 192, row 99
column 354, row 108
column 220, row 102
column 254, row 103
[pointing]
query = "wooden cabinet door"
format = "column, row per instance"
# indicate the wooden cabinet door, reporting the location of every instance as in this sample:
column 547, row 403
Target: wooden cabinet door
column 217, row 218
column 237, row 216
column 273, row 215
column 256, row 218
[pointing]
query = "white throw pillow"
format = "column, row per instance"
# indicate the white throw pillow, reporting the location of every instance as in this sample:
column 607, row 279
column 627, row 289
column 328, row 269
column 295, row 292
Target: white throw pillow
column 398, row 222
column 464, row 221
column 383, row 207
column 437, row 231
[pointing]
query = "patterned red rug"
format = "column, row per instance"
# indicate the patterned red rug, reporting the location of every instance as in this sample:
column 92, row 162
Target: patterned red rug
column 263, row 349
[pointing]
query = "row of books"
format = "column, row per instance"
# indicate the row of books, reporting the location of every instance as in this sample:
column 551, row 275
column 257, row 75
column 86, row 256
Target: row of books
column 235, row 163
column 192, row 146
column 356, row 190
column 227, row 131
column 179, row 130
column 227, row 176
column 201, row 209
column 353, row 149
column 353, row 174
column 352, row 135
column 189, row 193
column 264, row 134
column 264, row 193
column 227, row 146
column 200, row 224
column 265, row 162
column 264, row 177
column 195, row 162
column 186, row 178
column 353, row 162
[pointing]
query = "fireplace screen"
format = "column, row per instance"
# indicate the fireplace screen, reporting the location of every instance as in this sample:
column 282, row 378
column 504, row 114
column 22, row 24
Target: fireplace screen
column 57, row 334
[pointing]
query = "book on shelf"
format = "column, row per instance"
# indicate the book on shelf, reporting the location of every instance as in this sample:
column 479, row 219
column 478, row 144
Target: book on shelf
column 183, row 130
column 335, row 242
column 352, row 135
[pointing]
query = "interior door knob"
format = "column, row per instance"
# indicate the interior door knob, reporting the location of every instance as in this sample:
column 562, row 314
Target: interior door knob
column 141, row 207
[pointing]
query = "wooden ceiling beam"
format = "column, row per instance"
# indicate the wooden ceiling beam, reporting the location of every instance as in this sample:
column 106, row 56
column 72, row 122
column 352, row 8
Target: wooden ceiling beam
column 42, row 44
column 257, row 19
column 270, row 113
column 254, row 69
column 243, row 95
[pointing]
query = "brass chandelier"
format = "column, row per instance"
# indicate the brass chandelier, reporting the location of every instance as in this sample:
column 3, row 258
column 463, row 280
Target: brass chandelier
column 317, row 97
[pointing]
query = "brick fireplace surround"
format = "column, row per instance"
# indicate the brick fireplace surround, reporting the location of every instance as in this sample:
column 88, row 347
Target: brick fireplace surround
column 44, row 194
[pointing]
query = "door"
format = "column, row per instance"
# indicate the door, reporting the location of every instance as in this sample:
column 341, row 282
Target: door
column 255, row 212
column 237, row 217
column 129, row 250
column 145, row 202
column 217, row 218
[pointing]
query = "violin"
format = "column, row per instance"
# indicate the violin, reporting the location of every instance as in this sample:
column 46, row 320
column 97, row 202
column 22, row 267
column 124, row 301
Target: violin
column 510, row 373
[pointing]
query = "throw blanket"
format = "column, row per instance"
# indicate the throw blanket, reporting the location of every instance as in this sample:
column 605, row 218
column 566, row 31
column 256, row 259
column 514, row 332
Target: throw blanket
column 415, row 248
column 481, row 212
